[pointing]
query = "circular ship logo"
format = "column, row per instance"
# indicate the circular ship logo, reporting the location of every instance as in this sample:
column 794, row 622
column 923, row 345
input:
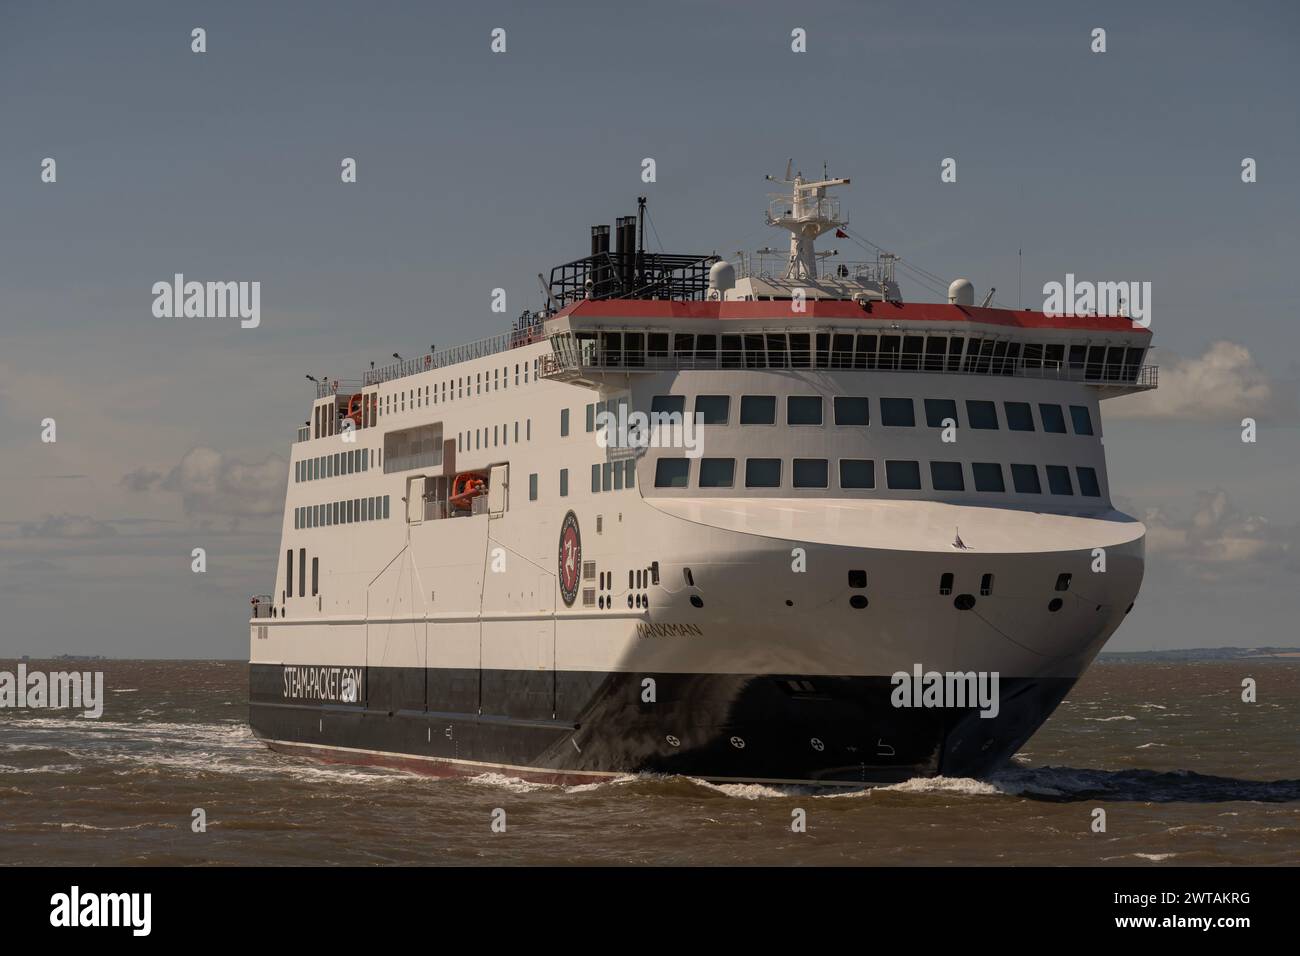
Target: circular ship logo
column 570, row 559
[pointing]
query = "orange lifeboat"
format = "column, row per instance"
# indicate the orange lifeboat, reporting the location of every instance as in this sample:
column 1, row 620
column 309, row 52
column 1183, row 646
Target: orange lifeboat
column 355, row 409
column 465, row 487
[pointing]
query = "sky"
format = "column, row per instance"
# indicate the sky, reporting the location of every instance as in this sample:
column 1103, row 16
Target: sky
column 476, row 170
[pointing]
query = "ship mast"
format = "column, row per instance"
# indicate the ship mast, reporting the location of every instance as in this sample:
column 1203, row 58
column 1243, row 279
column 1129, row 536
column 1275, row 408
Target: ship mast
column 806, row 213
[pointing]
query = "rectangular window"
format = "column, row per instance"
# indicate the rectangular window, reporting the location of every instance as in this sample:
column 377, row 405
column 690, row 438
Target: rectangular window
column 1082, row 420
column 897, row 413
column 288, row 571
column 564, row 422
column 981, row 414
column 803, row 410
column 1025, row 479
column 528, row 429
column 532, row 487
column 717, row 472
column 302, row 572
column 667, row 404
column 1088, row 485
column 1053, row 418
column 938, row 409
column 618, row 475
column 1058, row 480
column 669, row 472
column 946, row 476
column 903, row 475
column 297, row 518
column 763, row 473
column 595, row 477
column 758, row 409
column 591, row 418
column 713, row 409
column 607, row 476
column 385, row 506
column 810, row 473
column 315, row 576
column 988, row 476
column 1019, row 416
column 564, row 482
column 857, row 473
column 629, row 473
column 852, row 411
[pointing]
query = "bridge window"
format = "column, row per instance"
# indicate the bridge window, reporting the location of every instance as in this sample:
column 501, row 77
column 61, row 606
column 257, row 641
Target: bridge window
column 758, row 409
column 946, row 476
column 982, row 414
column 1053, row 418
column 857, row 473
column 852, row 411
column 717, row 472
column 988, row 476
column 1020, row 418
column 1058, row 480
column 1025, row 479
column 897, row 413
column 937, row 409
column 803, row 410
column 668, row 405
column 763, row 473
column 671, row 472
column 1088, row 485
column 713, row 409
column 1081, row 419
column 810, row 473
column 903, row 475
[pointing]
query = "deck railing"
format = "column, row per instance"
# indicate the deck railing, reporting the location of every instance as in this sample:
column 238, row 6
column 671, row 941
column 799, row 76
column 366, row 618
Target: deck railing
column 521, row 334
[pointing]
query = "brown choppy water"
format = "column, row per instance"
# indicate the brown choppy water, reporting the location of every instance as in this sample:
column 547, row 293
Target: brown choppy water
column 1186, row 772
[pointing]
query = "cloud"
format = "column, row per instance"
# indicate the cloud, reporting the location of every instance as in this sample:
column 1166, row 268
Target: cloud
column 1224, row 384
column 66, row 526
column 211, row 483
column 1218, row 538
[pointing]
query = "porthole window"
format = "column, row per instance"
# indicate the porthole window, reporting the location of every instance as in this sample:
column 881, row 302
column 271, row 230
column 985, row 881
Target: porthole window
column 696, row 601
column 964, row 602
column 1055, row 605
column 858, row 601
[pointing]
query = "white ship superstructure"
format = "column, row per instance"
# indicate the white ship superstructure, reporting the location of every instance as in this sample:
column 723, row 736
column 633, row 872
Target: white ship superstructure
column 472, row 576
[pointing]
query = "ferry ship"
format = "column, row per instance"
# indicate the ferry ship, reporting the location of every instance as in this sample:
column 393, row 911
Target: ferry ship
column 479, row 572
